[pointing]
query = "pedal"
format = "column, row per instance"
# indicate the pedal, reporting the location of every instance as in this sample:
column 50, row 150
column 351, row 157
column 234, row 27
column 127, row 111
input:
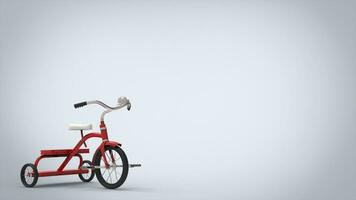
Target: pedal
column 134, row 165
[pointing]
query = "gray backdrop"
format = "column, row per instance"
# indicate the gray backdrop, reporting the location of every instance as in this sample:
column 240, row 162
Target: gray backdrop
column 231, row 99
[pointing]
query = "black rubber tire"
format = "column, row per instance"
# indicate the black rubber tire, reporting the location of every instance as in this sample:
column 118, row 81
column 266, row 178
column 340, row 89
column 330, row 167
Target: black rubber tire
column 125, row 166
column 90, row 171
column 35, row 175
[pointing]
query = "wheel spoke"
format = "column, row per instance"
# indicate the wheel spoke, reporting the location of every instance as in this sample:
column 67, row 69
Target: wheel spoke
column 107, row 158
column 104, row 172
column 115, row 173
column 27, row 179
column 107, row 176
column 89, row 172
column 110, row 176
column 29, row 175
column 114, row 156
column 118, row 159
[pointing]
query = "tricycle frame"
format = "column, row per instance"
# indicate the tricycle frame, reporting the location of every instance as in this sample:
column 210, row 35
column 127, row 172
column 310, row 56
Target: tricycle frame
column 75, row 152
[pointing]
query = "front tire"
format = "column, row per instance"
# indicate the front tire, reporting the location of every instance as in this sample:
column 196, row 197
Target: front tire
column 115, row 175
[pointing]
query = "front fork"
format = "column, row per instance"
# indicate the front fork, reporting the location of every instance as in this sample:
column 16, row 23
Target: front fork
column 105, row 142
column 104, row 155
column 101, row 148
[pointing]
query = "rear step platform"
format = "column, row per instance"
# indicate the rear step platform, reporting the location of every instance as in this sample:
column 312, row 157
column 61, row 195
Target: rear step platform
column 64, row 172
column 61, row 152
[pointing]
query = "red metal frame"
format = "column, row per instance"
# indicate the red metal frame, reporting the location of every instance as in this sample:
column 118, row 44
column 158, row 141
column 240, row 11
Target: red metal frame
column 76, row 151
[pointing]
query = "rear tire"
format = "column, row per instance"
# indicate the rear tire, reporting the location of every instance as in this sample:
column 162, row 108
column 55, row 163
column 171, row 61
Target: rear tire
column 115, row 175
column 87, row 177
column 29, row 175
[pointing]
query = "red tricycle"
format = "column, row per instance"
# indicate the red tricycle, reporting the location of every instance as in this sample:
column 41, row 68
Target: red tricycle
column 109, row 163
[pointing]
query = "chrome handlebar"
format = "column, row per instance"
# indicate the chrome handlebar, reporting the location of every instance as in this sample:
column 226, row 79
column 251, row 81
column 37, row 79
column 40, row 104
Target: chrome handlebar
column 122, row 102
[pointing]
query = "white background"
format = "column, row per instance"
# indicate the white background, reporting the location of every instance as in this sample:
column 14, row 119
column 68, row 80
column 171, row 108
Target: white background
column 230, row 99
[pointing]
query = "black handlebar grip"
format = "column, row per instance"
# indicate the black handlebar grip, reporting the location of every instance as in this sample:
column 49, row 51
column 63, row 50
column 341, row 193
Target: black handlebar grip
column 129, row 107
column 81, row 104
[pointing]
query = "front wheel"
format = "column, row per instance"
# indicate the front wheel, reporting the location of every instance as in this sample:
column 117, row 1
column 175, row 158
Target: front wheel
column 114, row 175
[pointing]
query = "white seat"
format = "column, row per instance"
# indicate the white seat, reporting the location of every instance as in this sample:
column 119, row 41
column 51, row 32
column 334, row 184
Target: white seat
column 80, row 127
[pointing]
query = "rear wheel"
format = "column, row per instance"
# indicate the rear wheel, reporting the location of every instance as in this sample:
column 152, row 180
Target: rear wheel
column 115, row 174
column 87, row 177
column 29, row 175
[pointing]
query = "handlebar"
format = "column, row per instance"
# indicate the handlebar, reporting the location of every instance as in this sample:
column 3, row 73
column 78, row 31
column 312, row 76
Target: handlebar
column 81, row 104
column 122, row 102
